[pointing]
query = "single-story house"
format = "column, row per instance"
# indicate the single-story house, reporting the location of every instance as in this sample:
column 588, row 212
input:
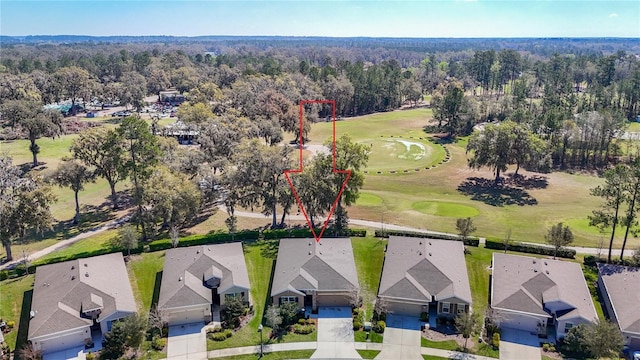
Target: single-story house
column 620, row 289
column 420, row 272
column 535, row 294
column 197, row 280
column 315, row 274
column 73, row 299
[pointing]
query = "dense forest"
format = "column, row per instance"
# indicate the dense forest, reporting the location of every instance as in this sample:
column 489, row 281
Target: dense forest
column 567, row 99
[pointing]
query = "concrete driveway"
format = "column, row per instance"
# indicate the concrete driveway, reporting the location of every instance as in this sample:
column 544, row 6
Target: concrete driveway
column 519, row 344
column 187, row 342
column 335, row 334
column 401, row 338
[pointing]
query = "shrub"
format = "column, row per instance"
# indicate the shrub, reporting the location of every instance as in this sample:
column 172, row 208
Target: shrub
column 424, row 316
column 531, row 249
column 357, row 232
column 221, row 336
column 11, row 324
column 303, row 329
column 469, row 241
column 90, row 356
column 357, row 325
column 4, row 275
column 496, row 340
column 355, row 312
column 591, row 260
column 548, row 347
column 302, row 321
column 379, row 326
column 158, row 344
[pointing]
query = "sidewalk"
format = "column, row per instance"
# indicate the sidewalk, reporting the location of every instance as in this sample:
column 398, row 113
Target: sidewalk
column 313, row 345
column 245, row 350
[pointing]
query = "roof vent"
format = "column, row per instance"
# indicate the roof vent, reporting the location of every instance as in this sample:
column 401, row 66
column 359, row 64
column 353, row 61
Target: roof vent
column 429, row 254
column 420, row 253
column 309, row 243
column 72, row 278
column 86, row 274
column 72, row 267
column 545, row 263
column 197, row 251
column 180, row 278
column 534, row 261
column 429, row 242
column 420, row 243
column 85, row 265
column 535, row 270
column 309, row 252
column 32, row 314
column 547, row 272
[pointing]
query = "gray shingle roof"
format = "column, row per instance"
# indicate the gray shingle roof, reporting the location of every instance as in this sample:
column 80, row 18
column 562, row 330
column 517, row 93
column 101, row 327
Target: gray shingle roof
column 622, row 284
column 304, row 264
column 63, row 290
column 418, row 269
column 186, row 269
column 525, row 284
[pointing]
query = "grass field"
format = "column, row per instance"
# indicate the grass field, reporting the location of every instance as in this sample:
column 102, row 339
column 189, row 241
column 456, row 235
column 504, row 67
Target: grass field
column 368, row 354
column 434, row 198
column 144, row 272
column 368, row 253
column 11, row 297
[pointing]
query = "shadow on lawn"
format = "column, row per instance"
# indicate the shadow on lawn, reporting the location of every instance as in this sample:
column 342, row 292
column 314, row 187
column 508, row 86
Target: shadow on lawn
column 23, row 327
column 487, row 191
column 156, row 289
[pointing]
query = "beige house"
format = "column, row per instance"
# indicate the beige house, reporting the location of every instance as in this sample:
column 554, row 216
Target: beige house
column 77, row 301
column 419, row 273
column 197, row 280
column 535, row 294
column 620, row 289
column 315, row 274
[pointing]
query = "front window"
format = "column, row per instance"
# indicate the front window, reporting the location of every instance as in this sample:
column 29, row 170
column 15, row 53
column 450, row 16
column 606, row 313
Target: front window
column 230, row 296
column 567, row 327
column 461, row 309
column 288, row 299
column 445, row 307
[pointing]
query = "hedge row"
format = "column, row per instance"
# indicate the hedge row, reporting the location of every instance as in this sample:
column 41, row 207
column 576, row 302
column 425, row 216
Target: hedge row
column 531, row 249
column 469, row 241
column 591, row 260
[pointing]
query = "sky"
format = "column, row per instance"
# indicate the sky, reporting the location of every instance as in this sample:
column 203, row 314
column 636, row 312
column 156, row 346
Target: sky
column 418, row 18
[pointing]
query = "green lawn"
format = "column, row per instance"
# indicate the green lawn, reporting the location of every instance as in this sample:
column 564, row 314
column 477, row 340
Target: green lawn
column 444, row 345
column 431, row 357
column 361, row 336
column 11, row 297
column 101, row 241
column 279, row 355
column 368, row 253
column 368, row 354
column 477, row 263
column 144, row 270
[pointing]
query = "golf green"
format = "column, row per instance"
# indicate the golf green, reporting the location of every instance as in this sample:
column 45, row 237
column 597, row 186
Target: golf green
column 393, row 153
column 446, row 209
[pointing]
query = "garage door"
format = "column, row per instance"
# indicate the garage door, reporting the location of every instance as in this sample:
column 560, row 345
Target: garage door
column 519, row 322
column 404, row 309
column 333, row 300
column 186, row 317
column 65, row 342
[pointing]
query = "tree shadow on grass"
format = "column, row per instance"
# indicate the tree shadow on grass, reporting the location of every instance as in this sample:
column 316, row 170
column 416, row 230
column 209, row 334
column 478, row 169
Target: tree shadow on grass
column 485, row 190
column 527, row 182
column 23, row 327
